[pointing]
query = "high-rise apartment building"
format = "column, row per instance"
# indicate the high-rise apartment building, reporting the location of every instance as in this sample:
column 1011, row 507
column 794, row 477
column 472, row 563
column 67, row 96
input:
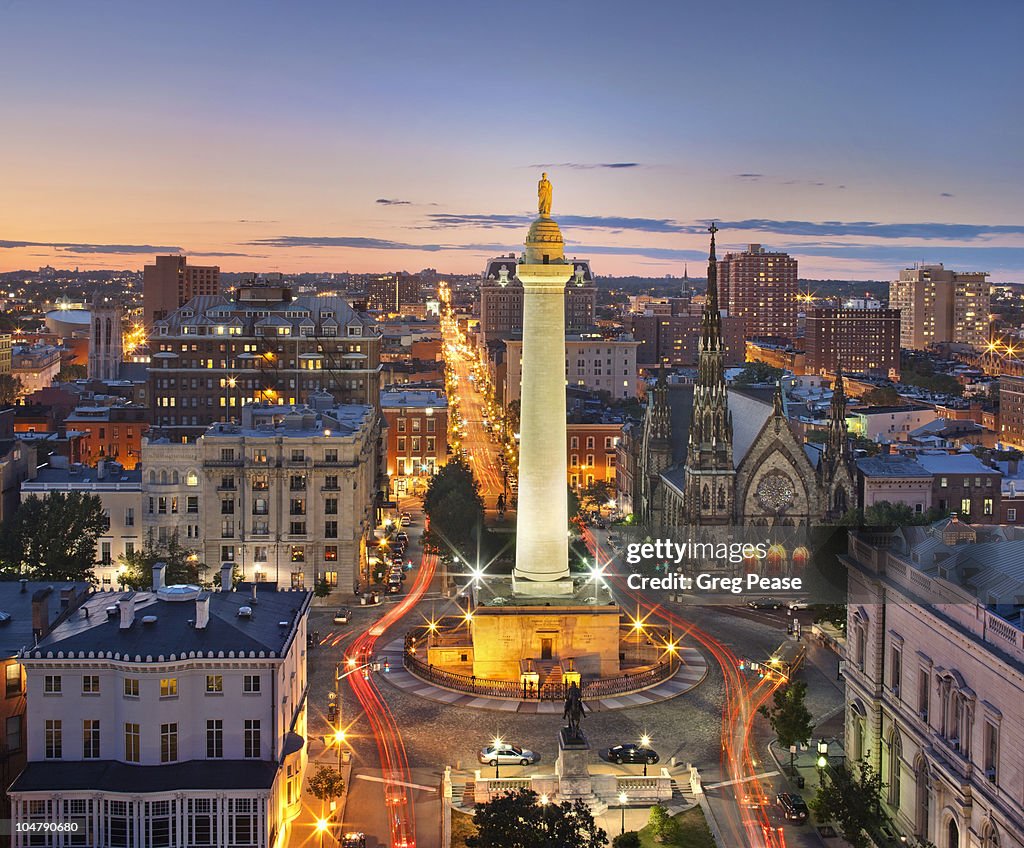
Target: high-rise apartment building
column 171, row 282
column 393, row 293
column 216, row 354
column 860, row 341
column 501, row 299
column 937, row 305
column 760, row 287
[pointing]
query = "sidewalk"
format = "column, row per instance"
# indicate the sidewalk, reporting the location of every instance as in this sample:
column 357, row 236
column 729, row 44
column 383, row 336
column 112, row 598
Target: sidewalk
column 304, row 832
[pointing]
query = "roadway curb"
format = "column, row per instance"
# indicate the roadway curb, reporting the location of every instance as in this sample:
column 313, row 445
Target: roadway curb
column 716, row 832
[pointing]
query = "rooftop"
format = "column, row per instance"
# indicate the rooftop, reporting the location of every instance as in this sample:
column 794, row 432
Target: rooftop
column 892, row 466
column 960, row 463
column 269, row 629
column 114, row 776
column 16, row 631
column 412, row 397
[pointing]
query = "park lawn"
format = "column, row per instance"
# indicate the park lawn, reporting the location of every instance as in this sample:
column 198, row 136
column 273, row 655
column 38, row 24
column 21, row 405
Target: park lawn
column 695, row 832
column 462, row 826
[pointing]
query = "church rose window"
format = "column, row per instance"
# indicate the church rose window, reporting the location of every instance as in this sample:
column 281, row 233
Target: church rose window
column 775, row 491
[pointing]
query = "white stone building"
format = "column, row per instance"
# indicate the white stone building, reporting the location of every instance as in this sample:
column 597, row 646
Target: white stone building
column 174, row 717
column 121, row 494
column 935, row 679
column 288, row 495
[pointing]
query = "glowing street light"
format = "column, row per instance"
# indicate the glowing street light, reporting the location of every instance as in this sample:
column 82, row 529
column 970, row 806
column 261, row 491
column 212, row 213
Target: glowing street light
column 645, row 743
column 321, row 828
column 497, row 742
column 622, row 806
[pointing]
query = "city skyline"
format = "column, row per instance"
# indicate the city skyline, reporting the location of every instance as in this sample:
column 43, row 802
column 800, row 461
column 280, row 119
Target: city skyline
column 343, row 140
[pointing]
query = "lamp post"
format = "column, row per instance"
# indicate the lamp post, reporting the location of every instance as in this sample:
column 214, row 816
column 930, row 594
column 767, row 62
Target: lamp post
column 822, row 760
column 622, row 809
column 645, row 744
column 497, row 759
column 544, row 800
column 339, row 738
column 321, row 828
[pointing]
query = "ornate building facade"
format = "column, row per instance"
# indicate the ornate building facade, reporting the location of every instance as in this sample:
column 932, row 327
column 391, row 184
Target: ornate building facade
column 743, row 465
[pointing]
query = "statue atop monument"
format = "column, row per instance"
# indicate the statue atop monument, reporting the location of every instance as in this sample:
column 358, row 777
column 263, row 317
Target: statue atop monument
column 544, row 196
column 574, row 711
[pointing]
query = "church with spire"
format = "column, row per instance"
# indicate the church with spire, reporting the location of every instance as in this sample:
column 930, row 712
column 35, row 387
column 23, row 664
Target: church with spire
column 736, row 461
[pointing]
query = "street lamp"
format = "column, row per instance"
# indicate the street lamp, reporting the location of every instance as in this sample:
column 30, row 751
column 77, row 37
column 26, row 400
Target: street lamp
column 321, row 828
column 622, row 808
column 822, row 760
column 645, row 743
column 638, row 627
column 339, row 739
column 496, row 743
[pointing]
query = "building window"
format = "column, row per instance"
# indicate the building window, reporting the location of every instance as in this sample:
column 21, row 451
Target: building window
column 191, row 479
column 169, row 687
column 12, row 731
column 943, row 482
column 90, row 684
column 331, row 482
column 129, row 516
column 331, row 553
column 260, row 506
column 298, row 553
column 131, row 687
column 227, row 553
column 13, row 679
column 331, row 506
column 401, row 425
column 251, row 684
column 297, row 483
column 53, row 739
column 227, row 507
column 965, row 506
column 297, row 507
column 91, row 739
column 131, row 743
column 986, row 508
column 297, row 528
column 169, row 743
column 298, row 455
column 192, row 504
column 252, row 738
column 896, row 670
column 923, row 683
column 298, row 580
column 260, row 553
column 330, row 455
column 330, row 529
column 51, row 684
column 331, row 578
column 1011, row 515
column 991, row 743
column 227, row 454
column 214, row 684
column 214, row 739
column 241, row 822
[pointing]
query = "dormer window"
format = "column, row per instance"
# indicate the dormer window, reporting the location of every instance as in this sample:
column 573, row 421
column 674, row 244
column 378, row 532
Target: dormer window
column 355, row 329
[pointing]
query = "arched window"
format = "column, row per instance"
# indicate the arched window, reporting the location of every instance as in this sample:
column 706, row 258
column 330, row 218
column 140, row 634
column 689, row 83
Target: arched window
column 922, row 800
column 721, row 497
column 705, row 498
column 991, row 837
column 163, row 476
column 952, row 835
column 152, row 477
column 174, row 477
column 895, row 759
column 191, row 479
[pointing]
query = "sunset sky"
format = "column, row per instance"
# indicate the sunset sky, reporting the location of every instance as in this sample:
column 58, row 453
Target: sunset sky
column 344, row 136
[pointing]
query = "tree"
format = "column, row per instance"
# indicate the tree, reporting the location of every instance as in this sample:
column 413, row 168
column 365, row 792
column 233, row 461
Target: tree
column 455, row 511
column 183, row 565
column 71, row 372
column 10, row 389
column 757, row 372
column 596, row 495
column 629, row 839
column 53, row 538
column 517, row 820
column 789, row 716
column 664, row 828
column 852, row 799
column 512, row 413
column 322, row 589
column 869, row 446
column 881, row 396
column 326, row 783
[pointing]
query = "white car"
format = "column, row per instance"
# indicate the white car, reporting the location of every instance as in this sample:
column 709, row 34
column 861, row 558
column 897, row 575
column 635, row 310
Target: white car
column 507, row 754
column 798, row 605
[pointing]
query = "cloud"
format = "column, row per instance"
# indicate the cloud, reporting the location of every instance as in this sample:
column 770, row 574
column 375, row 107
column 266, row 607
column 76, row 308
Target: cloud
column 946, row 194
column 442, row 220
column 749, row 176
column 224, row 253
column 873, row 229
column 72, row 247
column 586, row 166
column 385, row 201
column 252, row 221
column 345, row 241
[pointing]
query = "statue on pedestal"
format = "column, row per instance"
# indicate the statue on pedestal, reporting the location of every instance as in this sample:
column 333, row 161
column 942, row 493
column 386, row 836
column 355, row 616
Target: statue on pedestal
column 544, row 196
column 573, row 712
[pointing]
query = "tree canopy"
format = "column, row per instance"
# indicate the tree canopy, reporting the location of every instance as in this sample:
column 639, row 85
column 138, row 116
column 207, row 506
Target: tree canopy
column 455, row 511
column 518, row 820
column 53, row 538
column 852, row 799
column 183, row 566
column 326, row 783
column 789, row 716
column 757, row 372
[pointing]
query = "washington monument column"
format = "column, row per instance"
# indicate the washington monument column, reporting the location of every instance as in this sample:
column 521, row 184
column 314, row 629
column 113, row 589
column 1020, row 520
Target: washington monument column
column 542, row 538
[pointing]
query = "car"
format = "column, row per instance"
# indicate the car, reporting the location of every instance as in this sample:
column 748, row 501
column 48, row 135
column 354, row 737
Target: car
column 506, row 753
column 793, row 806
column 353, row 840
column 342, row 616
column 630, row 752
column 394, row 588
column 765, row 603
column 798, row 605
column 406, row 519
column 402, row 537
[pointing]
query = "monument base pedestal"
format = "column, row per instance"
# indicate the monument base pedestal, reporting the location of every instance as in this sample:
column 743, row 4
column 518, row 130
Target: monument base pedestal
column 542, row 588
column 572, row 766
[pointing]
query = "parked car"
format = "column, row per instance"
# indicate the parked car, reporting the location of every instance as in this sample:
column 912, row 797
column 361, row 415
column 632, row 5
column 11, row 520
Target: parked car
column 793, row 806
column 353, row 840
column 632, row 753
column 342, row 616
column 765, row 603
column 402, row 537
column 798, row 605
column 506, row 753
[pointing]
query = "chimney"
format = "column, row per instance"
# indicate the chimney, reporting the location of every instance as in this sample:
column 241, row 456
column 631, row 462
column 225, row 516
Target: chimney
column 41, row 612
column 202, row 611
column 159, row 570
column 253, row 591
column 101, row 470
column 227, row 570
column 24, row 585
column 127, row 611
